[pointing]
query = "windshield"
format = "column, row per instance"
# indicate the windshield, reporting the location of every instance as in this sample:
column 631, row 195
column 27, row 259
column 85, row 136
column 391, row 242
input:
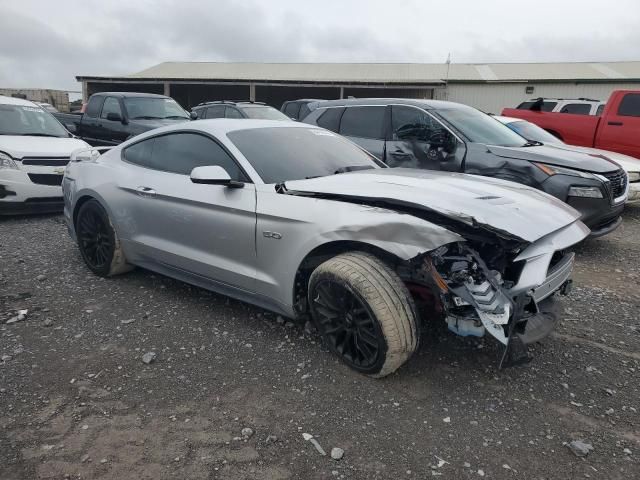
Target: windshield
column 294, row 153
column 479, row 127
column 264, row 113
column 534, row 133
column 151, row 108
column 29, row 120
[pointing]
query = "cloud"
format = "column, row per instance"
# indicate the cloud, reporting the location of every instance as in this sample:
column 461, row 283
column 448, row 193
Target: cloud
column 46, row 44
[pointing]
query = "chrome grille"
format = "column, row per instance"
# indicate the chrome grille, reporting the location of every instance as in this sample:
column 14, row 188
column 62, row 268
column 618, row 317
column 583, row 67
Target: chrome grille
column 617, row 183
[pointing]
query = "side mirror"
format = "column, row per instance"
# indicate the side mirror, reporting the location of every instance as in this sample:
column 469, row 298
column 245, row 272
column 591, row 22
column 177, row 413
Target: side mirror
column 193, row 115
column 214, row 175
column 114, row 117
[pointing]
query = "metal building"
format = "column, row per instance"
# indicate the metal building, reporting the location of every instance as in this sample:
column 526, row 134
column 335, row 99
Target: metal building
column 489, row 87
column 57, row 98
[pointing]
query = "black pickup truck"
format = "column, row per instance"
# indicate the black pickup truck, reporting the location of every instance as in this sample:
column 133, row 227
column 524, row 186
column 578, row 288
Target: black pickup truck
column 112, row 117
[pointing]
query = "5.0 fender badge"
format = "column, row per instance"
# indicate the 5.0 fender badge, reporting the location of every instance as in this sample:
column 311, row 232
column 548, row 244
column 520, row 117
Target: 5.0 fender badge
column 275, row 235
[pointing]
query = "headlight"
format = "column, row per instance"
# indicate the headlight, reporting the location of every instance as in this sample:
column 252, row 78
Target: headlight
column 588, row 192
column 555, row 170
column 7, row 162
column 634, row 177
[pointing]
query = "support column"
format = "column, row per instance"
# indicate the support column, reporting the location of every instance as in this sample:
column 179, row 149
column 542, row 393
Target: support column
column 341, row 93
column 167, row 89
column 85, row 93
column 252, row 92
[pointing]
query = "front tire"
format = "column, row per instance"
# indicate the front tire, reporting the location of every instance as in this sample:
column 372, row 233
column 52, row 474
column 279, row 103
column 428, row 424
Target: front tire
column 98, row 242
column 364, row 313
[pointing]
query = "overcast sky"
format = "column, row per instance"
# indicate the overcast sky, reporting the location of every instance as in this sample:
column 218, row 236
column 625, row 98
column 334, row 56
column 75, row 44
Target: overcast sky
column 46, row 43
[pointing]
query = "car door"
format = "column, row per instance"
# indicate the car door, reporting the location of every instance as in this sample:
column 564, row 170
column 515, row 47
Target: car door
column 417, row 140
column 365, row 125
column 619, row 130
column 203, row 230
column 112, row 131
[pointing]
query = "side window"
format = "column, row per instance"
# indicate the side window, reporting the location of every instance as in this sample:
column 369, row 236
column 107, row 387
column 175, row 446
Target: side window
column 330, row 119
column 432, row 146
column 181, row 153
column 363, row 122
column 630, row 105
column 576, row 108
column 304, row 111
column 233, row 112
column 216, row 111
column 94, row 106
column 140, row 153
column 111, row 105
column 292, row 110
column 600, row 109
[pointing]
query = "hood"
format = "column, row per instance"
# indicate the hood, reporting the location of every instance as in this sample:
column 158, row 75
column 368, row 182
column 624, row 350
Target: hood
column 150, row 124
column 630, row 164
column 520, row 211
column 552, row 155
column 19, row 147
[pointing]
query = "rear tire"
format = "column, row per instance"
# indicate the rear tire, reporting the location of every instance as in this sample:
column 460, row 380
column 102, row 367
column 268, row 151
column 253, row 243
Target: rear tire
column 364, row 313
column 98, row 241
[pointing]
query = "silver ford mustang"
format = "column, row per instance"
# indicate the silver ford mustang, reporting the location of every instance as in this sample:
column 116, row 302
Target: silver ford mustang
column 300, row 221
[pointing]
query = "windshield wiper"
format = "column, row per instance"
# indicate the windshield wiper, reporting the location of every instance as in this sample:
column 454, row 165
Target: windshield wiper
column 352, row 168
column 177, row 116
column 532, row 143
column 147, row 117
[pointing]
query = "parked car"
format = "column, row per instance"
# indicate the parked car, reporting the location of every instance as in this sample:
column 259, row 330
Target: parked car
column 240, row 109
column 241, row 207
column 576, row 106
column 112, row 117
column 534, row 133
column 298, row 109
column 436, row 135
column 34, row 149
column 617, row 129
column 47, row 106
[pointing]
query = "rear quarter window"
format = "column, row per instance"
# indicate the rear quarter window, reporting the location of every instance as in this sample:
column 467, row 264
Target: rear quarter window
column 330, row 119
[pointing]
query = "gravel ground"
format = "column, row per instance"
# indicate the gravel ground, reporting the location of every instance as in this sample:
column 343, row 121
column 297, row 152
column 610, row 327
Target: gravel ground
column 77, row 400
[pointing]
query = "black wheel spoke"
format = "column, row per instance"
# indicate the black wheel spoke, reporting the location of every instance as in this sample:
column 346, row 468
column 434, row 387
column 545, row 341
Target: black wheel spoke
column 95, row 239
column 346, row 323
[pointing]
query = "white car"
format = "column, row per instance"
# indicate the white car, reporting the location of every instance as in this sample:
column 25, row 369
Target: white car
column 34, row 151
column 534, row 133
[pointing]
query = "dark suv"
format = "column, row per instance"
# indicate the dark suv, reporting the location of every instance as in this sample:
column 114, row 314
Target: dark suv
column 240, row 109
column 437, row 135
column 298, row 109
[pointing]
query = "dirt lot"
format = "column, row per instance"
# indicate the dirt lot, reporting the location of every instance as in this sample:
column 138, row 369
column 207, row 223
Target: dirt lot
column 76, row 400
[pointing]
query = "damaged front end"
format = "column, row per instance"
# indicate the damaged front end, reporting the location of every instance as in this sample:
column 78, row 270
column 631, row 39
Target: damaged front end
column 498, row 290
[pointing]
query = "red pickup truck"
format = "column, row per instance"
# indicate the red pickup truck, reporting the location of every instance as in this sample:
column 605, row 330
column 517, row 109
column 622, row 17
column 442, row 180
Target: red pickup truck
column 617, row 129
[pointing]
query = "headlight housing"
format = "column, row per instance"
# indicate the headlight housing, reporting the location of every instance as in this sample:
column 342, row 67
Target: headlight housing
column 585, row 192
column 555, row 170
column 634, row 177
column 7, row 162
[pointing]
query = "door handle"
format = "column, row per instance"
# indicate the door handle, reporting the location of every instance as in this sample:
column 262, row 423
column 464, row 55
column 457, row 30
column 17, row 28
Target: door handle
column 400, row 153
column 145, row 191
column 615, row 124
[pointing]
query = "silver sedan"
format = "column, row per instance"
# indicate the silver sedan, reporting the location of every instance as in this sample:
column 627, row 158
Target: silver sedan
column 300, row 221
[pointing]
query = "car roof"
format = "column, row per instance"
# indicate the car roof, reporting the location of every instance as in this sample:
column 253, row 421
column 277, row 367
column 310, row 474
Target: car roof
column 415, row 102
column 241, row 103
column 219, row 127
column 128, row 94
column 16, row 101
column 506, row 120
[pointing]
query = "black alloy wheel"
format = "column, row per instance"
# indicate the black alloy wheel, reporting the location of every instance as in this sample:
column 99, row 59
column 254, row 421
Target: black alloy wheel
column 347, row 325
column 95, row 237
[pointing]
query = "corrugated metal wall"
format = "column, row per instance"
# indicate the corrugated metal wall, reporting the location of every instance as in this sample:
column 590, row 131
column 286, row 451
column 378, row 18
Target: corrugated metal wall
column 493, row 97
